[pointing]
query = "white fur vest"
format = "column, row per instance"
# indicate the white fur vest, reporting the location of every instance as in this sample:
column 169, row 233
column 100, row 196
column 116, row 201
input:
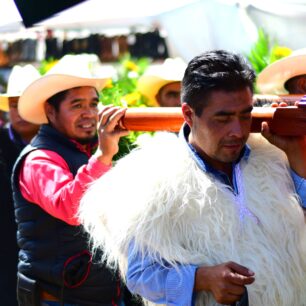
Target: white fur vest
column 158, row 196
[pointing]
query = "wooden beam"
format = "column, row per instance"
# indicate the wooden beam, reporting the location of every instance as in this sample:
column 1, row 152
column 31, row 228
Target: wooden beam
column 290, row 121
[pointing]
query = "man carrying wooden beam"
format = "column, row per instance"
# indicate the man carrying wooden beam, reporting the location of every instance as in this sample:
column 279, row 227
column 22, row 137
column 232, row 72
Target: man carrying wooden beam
column 203, row 216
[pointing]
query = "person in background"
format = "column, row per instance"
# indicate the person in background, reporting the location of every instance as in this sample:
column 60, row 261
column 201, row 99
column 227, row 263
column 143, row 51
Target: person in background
column 74, row 146
column 161, row 84
column 212, row 216
column 13, row 138
column 285, row 76
column 3, row 119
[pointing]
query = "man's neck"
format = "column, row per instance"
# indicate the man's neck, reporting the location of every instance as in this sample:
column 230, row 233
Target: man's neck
column 226, row 168
column 87, row 148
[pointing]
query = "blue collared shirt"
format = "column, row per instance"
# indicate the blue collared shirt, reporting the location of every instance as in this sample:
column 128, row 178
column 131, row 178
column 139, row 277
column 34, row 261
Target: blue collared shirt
column 221, row 176
column 163, row 284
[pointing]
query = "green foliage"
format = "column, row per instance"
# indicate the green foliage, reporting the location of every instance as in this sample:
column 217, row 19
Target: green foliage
column 122, row 91
column 265, row 52
column 260, row 52
column 46, row 64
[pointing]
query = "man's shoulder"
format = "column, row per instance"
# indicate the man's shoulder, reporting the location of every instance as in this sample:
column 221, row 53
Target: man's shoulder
column 158, row 149
column 42, row 154
column 162, row 161
column 263, row 149
column 267, row 161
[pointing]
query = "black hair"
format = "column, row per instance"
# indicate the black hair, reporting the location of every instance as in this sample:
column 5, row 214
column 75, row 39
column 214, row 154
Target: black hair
column 214, row 70
column 56, row 99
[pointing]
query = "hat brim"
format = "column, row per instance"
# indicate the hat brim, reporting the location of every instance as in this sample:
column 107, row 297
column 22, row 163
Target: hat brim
column 273, row 78
column 4, row 102
column 149, row 86
column 31, row 102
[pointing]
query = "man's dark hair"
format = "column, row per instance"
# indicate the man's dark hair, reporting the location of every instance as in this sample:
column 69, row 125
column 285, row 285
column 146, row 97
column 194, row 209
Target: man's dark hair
column 56, row 99
column 214, row 70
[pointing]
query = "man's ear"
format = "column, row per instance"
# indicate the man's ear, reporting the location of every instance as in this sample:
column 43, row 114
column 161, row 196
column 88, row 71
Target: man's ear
column 188, row 114
column 49, row 111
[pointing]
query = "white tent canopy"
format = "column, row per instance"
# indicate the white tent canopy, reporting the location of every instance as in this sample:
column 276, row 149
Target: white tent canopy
column 192, row 26
column 92, row 13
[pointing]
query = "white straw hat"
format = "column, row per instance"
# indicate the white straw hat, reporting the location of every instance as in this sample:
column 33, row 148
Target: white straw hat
column 273, row 78
column 157, row 76
column 71, row 71
column 19, row 78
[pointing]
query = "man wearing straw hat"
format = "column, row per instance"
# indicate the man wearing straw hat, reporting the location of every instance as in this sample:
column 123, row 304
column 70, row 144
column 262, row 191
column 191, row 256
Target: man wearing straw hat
column 211, row 212
column 161, row 84
column 285, row 76
column 56, row 266
column 13, row 138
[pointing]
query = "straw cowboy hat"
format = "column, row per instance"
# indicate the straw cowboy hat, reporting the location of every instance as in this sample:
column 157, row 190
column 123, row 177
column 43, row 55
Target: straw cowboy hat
column 71, row 71
column 273, row 78
column 157, row 76
column 20, row 77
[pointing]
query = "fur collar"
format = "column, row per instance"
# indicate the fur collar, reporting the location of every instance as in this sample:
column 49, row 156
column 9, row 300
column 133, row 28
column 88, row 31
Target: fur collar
column 178, row 213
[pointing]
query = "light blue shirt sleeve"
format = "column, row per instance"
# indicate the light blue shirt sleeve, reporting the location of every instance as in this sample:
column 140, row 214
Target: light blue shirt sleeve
column 161, row 284
column 300, row 187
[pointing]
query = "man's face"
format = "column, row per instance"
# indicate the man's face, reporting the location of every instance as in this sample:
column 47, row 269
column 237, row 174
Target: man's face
column 23, row 128
column 221, row 131
column 169, row 95
column 77, row 116
column 296, row 85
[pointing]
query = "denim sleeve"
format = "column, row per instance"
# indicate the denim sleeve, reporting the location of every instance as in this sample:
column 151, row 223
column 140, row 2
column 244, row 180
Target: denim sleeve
column 300, row 187
column 161, row 284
